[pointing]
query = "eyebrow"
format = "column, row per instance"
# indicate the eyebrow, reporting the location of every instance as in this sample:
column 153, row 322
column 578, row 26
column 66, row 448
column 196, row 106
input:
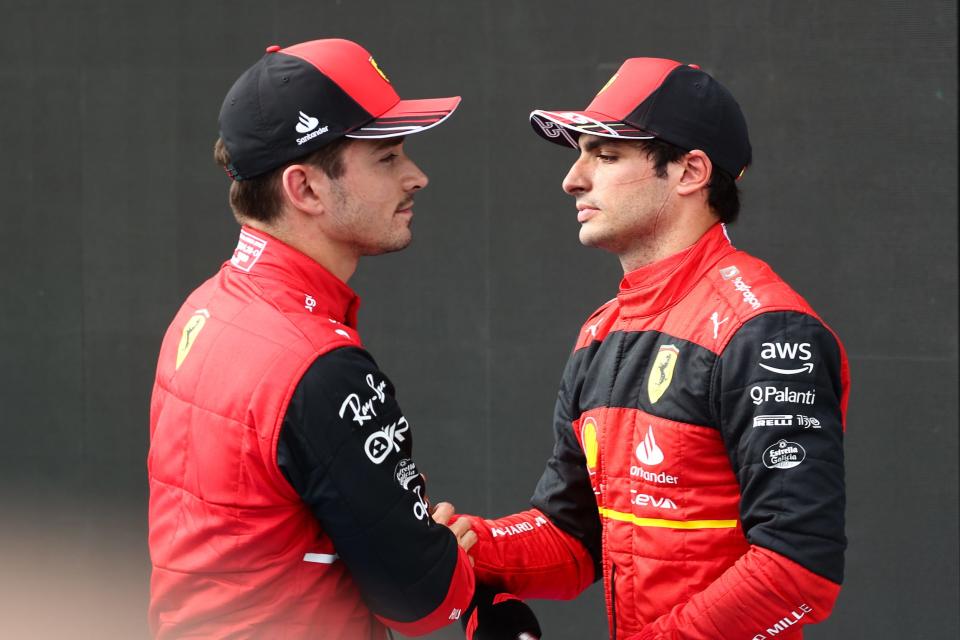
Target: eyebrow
column 593, row 145
column 383, row 143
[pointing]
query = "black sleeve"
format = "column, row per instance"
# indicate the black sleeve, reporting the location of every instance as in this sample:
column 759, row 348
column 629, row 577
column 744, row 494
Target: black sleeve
column 564, row 493
column 778, row 393
column 345, row 447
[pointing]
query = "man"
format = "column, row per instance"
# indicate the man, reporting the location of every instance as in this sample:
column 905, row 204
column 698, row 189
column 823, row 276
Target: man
column 698, row 460
column 284, row 502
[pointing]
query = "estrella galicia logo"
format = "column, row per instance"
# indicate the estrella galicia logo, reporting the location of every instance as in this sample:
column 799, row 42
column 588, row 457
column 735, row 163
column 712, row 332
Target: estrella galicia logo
column 783, row 454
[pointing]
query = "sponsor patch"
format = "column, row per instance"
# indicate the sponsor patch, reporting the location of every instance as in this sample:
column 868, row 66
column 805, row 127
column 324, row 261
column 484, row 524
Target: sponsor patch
column 647, row 451
column 591, row 447
column 190, row 332
column 404, row 472
column 783, row 454
column 248, row 251
column 383, row 441
column 661, row 373
column 773, row 421
column 760, row 394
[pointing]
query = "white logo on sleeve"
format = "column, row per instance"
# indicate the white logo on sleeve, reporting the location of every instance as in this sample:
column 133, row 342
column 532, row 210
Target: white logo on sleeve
column 382, row 442
column 791, row 351
column 647, row 451
column 715, row 319
column 306, row 123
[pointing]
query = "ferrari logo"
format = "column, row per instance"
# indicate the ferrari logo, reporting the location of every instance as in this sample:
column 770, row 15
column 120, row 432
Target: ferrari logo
column 588, row 437
column 374, row 64
column 190, row 332
column 612, row 79
column 661, row 373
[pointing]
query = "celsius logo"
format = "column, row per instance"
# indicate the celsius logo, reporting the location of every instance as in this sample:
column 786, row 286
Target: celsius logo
column 783, row 455
column 787, row 351
column 306, row 123
column 647, row 451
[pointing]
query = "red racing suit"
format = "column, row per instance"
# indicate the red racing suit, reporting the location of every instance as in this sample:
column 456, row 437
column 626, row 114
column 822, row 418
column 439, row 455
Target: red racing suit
column 283, row 499
column 698, row 459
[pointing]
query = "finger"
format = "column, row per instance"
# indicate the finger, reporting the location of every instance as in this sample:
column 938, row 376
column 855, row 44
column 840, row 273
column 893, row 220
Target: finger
column 442, row 512
column 460, row 528
column 468, row 540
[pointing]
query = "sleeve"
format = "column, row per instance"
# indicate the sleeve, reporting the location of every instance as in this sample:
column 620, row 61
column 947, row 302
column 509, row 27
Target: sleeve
column 780, row 391
column 345, row 446
column 553, row 550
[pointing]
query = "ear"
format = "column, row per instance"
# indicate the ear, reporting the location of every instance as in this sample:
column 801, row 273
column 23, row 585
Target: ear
column 305, row 187
column 697, row 170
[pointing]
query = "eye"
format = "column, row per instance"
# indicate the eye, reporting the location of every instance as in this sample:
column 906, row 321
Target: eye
column 389, row 158
column 606, row 157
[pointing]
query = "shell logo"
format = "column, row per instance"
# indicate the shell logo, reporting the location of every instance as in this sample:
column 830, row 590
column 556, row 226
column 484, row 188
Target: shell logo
column 591, row 447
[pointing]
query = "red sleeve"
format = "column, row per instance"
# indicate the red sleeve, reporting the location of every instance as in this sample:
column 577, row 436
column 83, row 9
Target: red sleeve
column 764, row 595
column 457, row 600
column 527, row 555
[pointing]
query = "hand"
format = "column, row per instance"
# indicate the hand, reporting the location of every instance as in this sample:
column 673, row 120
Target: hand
column 442, row 512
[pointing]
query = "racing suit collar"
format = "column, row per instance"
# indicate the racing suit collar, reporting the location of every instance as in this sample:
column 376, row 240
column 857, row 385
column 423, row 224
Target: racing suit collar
column 263, row 256
column 661, row 284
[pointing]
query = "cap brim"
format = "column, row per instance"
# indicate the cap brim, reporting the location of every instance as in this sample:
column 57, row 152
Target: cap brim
column 565, row 127
column 407, row 117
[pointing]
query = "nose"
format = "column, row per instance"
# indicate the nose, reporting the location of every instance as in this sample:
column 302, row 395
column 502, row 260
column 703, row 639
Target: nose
column 415, row 178
column 576, row 181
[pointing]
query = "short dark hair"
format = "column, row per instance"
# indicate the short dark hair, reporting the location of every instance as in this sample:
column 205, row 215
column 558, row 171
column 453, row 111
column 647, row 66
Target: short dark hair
column 260, row 198
column 723, row 196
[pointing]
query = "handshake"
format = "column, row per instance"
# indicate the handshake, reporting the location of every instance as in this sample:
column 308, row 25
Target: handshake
column 491, row 615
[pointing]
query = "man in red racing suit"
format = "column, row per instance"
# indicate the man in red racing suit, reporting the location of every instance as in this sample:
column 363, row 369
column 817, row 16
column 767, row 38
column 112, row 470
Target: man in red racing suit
column 698, row 458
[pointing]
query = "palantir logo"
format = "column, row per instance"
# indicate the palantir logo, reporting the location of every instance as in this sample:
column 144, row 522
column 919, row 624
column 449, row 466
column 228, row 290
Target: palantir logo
column 307, row 123
column 647, row 451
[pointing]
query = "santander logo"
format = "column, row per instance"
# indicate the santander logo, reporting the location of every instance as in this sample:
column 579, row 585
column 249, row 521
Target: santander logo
column 647, row 451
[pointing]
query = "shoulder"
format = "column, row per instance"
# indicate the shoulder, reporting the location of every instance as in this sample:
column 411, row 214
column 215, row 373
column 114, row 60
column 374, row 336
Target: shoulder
column 598, row 324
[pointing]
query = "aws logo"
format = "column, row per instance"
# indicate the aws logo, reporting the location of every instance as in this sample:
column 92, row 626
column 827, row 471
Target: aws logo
column 190, row 332
column 792, row 351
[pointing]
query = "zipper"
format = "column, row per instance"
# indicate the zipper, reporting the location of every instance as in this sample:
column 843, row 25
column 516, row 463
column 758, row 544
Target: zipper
column 613, row 601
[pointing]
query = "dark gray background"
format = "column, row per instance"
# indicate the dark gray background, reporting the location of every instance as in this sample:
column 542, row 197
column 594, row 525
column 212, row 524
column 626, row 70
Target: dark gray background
column 113, row 210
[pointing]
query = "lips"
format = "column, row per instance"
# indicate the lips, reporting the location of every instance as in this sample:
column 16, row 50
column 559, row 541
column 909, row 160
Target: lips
column 585, row 212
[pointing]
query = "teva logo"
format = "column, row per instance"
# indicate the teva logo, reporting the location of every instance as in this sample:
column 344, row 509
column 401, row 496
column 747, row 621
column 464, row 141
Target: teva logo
column 783, row 455
column 647, row 451
column 787, row 351
column 661, row 373
column 783, row 624
column 190, row 332
column 248, row 251
column 646, row 500
column 588, row 440
column 308, row 124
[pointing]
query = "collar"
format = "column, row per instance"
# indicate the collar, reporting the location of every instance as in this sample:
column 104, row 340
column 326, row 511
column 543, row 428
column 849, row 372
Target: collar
column 263, row 256
column 661, row 284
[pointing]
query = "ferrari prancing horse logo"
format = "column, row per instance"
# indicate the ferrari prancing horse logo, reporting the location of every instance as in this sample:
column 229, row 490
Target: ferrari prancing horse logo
column 190, row 332
column 661, row 373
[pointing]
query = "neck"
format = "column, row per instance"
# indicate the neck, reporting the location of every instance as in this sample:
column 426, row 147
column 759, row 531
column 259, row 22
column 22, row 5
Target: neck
column 663, row 243
column 333, row 257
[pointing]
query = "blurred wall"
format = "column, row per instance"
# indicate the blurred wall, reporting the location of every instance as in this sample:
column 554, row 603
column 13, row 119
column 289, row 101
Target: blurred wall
column 113, row 210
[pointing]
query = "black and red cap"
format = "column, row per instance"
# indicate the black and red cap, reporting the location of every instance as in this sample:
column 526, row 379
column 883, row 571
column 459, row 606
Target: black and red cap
column 297, row 99
column 657, row 98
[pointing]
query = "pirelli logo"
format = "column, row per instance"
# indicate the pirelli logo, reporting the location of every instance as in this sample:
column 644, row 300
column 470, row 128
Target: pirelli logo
column 772, row 421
